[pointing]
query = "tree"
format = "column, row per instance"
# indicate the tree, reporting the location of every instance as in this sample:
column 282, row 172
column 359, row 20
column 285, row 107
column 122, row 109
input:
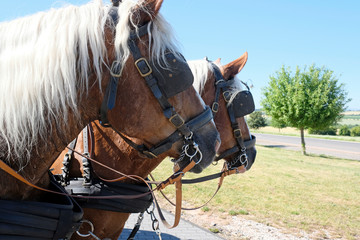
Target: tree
column 256, row 120
column 311, row 98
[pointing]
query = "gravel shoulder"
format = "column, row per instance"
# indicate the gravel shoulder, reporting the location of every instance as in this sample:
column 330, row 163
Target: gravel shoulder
column 240, row 228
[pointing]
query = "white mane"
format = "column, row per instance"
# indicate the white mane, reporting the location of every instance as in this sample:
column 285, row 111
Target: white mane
column 201, row 68
column 44, row 63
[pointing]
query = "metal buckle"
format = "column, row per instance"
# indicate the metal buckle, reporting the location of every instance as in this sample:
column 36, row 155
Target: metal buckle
column 112, row 69
column 227, row 96
column 237, row 133
column 146, row 152
column 177, row 120
column 147, row 64
column 215, row 107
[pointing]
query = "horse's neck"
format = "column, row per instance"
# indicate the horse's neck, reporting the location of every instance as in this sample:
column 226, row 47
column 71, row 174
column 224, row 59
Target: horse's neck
column 112, row 150
column 44, row 154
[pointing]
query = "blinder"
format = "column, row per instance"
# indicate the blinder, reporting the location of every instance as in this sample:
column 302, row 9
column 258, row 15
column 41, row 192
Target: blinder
column 175, row 78
column 243, row 104
column 238, row 106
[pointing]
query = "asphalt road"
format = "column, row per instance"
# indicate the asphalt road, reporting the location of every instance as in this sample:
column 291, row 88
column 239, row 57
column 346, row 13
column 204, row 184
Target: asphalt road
column 340, row 149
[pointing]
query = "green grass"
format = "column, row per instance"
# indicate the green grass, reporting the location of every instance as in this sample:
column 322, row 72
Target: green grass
column 286, row 189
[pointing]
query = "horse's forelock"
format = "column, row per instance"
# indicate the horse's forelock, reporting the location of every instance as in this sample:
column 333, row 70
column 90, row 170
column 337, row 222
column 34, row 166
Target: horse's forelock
column 161, row 38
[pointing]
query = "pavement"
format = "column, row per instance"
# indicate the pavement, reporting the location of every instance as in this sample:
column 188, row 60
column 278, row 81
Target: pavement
column 184, row 231
column 340, row 149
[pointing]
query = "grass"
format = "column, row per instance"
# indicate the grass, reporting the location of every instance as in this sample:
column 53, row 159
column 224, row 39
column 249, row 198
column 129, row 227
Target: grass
column 286, row 189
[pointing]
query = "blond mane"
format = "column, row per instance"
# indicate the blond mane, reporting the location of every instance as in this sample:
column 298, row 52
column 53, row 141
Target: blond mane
column 44, row 65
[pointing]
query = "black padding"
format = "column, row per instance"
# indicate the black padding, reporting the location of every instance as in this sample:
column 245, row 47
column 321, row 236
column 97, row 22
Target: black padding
column 243, row 104
column 100, row 188
column 176, row 78
column 55, row 218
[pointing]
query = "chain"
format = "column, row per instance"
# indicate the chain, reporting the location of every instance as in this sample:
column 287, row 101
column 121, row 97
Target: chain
column 155, row 222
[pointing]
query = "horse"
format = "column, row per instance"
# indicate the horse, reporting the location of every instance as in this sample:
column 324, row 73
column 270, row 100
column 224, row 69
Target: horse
column 111, row 149
column 67, row 67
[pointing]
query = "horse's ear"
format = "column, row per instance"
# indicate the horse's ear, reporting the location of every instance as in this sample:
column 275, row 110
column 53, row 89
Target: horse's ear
column 218, row 61
column 231, row 69
column 148, row 11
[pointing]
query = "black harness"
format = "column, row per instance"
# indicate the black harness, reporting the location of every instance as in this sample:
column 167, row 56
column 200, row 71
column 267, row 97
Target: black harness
column 57, row 218
column 163, row 83
column 241, row 105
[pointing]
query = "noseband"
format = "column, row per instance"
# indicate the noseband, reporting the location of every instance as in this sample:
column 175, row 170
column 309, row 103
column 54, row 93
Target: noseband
column 242, row 105
column 161, row 91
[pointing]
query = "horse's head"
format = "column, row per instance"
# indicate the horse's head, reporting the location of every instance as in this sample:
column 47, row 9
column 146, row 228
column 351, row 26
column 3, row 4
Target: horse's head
column 230, row 103
column 154, row 99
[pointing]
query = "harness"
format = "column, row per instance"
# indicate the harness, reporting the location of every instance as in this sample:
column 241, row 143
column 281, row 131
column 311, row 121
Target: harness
column 242, row 104
column 56, row 217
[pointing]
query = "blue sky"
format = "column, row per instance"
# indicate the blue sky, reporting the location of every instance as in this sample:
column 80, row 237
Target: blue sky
column 274, row 33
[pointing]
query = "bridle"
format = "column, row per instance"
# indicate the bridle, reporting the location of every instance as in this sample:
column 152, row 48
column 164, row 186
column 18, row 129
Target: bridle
column 150, row 72
column 244, row 98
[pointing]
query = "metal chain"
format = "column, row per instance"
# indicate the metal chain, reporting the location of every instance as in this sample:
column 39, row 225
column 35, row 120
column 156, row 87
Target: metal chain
column 155, row 222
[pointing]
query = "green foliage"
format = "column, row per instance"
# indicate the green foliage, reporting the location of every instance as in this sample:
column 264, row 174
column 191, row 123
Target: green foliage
column 256, row 120
column 308, row 98
column 327, row 131
column 344, row 130
column 355, row 131
column 276, row 124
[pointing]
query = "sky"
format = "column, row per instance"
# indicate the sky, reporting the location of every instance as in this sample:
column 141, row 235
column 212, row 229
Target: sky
column 274, row 33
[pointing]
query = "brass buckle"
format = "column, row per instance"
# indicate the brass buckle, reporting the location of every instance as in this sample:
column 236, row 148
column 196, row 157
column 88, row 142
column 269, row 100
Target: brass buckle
column 215, row 107
column 227, row 96
column 237, row 133
column 112, row 67
column 149, row 153
column 177, row 120
column 148, row 65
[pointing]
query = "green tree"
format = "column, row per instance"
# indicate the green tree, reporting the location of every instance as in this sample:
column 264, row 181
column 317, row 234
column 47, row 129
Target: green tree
column 344, row 131
column 256, row 120
column 311, row 98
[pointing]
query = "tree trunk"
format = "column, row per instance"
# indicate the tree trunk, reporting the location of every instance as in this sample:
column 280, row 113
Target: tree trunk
column 302, row 141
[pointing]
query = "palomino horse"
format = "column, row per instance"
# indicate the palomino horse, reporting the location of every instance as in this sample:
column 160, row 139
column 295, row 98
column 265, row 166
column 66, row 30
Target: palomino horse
column 109, row 148
column 59, row 69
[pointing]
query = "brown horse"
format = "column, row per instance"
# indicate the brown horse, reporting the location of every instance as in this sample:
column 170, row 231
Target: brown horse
column 59, row 69
column 111, row 149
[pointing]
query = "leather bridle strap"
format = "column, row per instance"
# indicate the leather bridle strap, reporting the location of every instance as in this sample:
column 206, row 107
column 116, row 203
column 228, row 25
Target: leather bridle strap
column 225, row 172
column 14, row 174
column 194, row 124
column 247, row 143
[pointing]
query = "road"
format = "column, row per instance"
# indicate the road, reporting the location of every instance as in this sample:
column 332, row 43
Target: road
column 341, row 149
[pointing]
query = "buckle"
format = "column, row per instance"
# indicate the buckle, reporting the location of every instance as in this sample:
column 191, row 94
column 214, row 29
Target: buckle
column 113, row 66
column 177, row 120
column 237, row 133
column 143, row 67
column 149, row 153
column 215, row 107
column 227, row 96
